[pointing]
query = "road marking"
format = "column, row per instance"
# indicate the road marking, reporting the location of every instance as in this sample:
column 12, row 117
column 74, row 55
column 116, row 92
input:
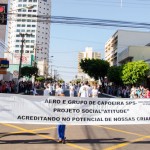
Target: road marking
column 40, row 129
column 44, row 136
column 121, row 131
column 127, row 143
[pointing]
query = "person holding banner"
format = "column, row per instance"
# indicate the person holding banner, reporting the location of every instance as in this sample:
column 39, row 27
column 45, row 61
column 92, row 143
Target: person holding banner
column 60, row 128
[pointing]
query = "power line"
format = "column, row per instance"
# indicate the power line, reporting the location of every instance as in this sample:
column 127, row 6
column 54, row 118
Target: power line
column 94, row 22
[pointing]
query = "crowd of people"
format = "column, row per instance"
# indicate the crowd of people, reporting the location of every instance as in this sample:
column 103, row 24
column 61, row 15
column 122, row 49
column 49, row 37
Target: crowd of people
column 94, row 90
column 128, row 92
column 82, row 89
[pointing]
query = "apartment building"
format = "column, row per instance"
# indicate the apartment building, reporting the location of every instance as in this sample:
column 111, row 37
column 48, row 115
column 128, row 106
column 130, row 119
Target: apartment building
column 30, row 18
column 120, row 40
column 88, row 53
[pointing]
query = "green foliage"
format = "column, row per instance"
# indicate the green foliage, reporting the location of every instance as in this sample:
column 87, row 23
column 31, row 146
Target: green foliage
column 114, row 74
column 95, row 68
column 61, row 81
column 28, row 71
column 40, row 78
column 135, row 72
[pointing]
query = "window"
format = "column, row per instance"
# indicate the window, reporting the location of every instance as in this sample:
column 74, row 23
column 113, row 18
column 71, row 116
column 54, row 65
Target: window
column 28, row 30
column 18, row 25
column 32, row 52
column 33, row 25
column 23, row 25
column 18, row 20
column 27, row 46
column 28, row 25
column 17, row 46
column 19, row 5
column 27, row 51
column 17, row 30
column 16, row 51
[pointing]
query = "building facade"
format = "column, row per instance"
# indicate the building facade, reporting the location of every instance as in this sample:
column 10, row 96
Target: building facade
column 88, row 53
column 3, row 46
column 30, row 18
column 134, row 53
column 121, row 40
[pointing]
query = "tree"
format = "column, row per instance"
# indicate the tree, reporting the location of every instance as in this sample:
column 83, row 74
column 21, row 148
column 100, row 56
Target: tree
column 135, row 72
column 40, row 78
column 114, row 74
column 95, row 68
column 29, row 71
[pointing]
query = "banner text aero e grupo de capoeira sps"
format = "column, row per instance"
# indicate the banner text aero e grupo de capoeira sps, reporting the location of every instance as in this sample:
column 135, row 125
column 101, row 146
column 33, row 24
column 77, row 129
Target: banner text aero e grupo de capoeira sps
column 73, row 110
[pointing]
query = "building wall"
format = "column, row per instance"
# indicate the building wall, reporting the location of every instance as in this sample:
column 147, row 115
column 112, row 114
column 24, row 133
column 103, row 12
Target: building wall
column 139, row 52
column 134, row 53
column 121, row 40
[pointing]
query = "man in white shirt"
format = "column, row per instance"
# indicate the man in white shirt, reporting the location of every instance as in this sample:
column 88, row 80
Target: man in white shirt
column 84, row 90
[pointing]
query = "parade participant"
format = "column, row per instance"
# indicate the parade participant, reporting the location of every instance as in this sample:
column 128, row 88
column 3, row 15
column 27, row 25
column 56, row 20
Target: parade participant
column 60, row 128
column 47, row 90
column 84, row 90
column 95, row 91
column 59, row 91
column 72, row 90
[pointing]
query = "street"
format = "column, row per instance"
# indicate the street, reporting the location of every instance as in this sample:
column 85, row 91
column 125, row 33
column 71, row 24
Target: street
column 37, row 137
column 92, row 137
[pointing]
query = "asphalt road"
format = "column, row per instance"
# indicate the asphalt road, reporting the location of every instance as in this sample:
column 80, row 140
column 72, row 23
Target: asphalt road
column 44, row 137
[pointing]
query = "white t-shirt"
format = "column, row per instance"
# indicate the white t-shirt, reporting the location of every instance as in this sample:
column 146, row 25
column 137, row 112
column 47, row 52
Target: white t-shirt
column 84, row 91
column 58, row 91
column 95, row 92
column 46, row 92
column 71, row 91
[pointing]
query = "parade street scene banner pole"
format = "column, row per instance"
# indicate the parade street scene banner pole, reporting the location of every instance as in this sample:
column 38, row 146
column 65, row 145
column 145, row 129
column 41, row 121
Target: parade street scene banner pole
column 25, row 109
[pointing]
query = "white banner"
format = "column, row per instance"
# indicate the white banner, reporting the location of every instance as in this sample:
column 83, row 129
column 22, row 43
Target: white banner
column 73, row 110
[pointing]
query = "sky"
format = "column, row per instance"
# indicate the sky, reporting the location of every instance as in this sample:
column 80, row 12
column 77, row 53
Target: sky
column 67, row 40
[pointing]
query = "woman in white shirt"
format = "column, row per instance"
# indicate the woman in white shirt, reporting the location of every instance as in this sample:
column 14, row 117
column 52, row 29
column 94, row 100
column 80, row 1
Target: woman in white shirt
column 47, row 90
column 95, row 91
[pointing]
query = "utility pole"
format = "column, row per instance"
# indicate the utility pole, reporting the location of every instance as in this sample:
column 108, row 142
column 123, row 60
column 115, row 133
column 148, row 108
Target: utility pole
column 21, row 52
